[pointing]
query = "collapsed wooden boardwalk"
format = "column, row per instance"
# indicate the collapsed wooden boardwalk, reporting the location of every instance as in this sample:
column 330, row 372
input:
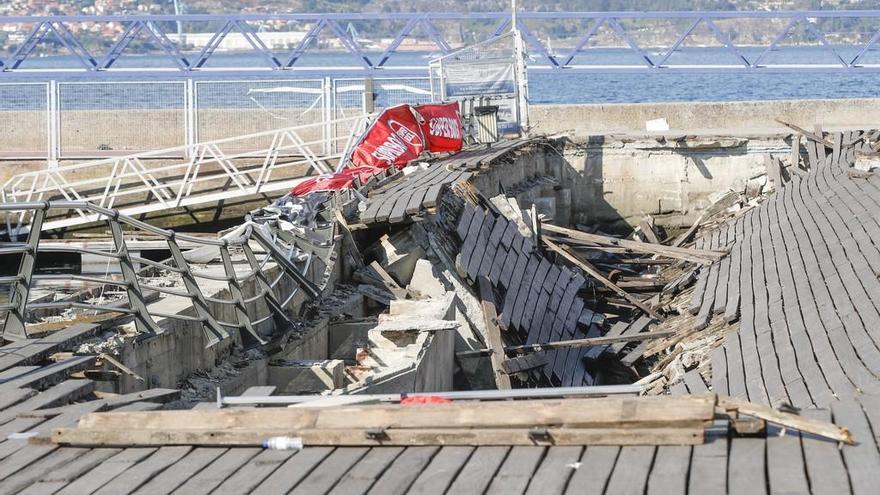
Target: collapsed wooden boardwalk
column 800, row 288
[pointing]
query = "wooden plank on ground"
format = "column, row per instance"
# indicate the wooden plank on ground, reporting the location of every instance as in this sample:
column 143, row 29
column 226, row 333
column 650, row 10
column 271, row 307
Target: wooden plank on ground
column 493, row 331
column 292, row 472
column 593, row 272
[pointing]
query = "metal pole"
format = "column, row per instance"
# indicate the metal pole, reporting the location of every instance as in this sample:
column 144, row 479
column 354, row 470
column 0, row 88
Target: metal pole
column 520, row 74
column 327, row 96
column 54, row 125
column 190, row 116
column 517, row 393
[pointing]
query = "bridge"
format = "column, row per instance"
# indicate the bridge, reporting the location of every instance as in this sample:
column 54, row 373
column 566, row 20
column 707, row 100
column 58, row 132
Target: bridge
column 847, row 37
column 205, row 173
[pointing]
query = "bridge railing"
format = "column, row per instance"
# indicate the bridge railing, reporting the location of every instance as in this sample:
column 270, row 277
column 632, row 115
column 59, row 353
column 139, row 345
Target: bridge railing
column 182, row 176
column 264, row 288
column 376, row 42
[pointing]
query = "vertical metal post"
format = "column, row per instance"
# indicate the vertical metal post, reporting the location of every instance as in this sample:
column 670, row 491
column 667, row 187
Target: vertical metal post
column 442, row 82
column 282, row 322
column 190, row 117
column 15, row 328
column 214, row 333
column 520, row 75
column 136, row 301
column 54, row 123
column 244, row 321
column 327, row 100
column 369, row 96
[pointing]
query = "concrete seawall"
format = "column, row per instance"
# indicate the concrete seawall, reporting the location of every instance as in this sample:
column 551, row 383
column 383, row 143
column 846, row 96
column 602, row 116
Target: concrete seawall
column 735, row 117
column 126, row 131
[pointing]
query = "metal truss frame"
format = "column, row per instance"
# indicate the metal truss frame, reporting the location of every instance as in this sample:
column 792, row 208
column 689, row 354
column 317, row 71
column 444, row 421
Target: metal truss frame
column 20, row 306
column 159, row 180
column 155, row 28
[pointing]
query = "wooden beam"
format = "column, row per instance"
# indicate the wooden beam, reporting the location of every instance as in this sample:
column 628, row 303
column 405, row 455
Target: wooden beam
column 648, row 229
column 590, row 342
column 593, row 272
column 493, row 331
column 774, row 173
column 813, row 136
column 692, row 434
column 788, row 420
column 600, row 412
column 694, row 255
column 348, row 240
column 524, row 363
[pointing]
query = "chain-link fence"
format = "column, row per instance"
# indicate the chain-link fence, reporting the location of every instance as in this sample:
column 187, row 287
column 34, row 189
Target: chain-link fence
column 79, row 119
column 120, row 117
column 24, row 120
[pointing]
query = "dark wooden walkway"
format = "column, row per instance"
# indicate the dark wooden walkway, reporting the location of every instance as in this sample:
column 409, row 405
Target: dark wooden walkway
column 801, row 281
column 408, row 195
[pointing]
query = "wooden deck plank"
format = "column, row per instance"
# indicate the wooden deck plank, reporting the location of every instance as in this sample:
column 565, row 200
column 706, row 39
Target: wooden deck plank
column 106, row 471
column 708, row 470
column 144, row 470
column 670, row 471
column 209, row 478
column 32, row 472
column 477, row 473
column 333, row 467
column 362, row 475
column 58, row 477
column 397, row 479
column 253, row 472
column 824, row 461
column 514, row 475
column 746, row 466
column 863, row 459
column 181, row 471
column 631, row 471
column 292, row 472
column 441, row 471
column 556, row 469
column 594, row 471
column 786, row 472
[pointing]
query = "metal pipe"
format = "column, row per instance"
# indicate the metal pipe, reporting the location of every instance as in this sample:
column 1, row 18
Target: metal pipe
column 519, row 393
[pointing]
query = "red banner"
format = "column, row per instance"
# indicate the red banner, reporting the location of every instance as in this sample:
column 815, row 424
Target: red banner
column 335, row 182
column 441, row 126
column 394, row 139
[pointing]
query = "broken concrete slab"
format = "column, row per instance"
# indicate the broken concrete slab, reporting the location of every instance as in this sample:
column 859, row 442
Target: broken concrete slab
column 346, row 336
column 398, row 255
column 297, row 377
column 426, row 281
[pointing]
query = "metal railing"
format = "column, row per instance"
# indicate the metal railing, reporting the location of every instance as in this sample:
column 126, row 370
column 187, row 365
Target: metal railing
column 82, row 120
column 303, row 32
column 266, row 288
column 183, row 176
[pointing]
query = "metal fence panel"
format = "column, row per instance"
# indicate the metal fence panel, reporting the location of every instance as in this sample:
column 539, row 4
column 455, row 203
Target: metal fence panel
column 236, row 107
column 348, row 95
column 24, row 120
column 101, row 118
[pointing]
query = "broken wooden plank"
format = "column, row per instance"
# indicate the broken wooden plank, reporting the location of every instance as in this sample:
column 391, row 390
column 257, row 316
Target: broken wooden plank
column 788, row 420
column 647, row 228
column 694, row 255
column 811, row 135
column 524, row 363
column 493, row 331
column 590, row 341
column 593, row 272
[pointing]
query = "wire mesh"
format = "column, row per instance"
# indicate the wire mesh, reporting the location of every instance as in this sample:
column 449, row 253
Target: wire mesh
column 234, row 108
column 101, row 118
column 24, row 120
